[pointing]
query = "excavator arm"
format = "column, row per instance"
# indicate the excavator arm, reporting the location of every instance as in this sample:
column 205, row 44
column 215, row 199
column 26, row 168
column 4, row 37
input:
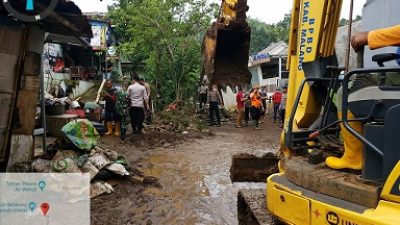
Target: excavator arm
column 311, row 49
column 312, row 36
column 226, row 46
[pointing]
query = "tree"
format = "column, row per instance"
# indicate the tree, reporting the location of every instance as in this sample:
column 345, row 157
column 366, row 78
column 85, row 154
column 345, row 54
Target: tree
column 344, row 22
column 165, row 36
column 262, row 34
column 282, row 28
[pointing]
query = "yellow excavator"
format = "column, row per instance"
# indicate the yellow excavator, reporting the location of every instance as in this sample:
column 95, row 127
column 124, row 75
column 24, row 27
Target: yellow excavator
column 340, row 143
column 308, row 189
column 225, row 48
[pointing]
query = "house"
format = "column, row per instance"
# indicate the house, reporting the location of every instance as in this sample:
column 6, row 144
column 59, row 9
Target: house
column 268, row 67
column 21, row 49
column 67, row 58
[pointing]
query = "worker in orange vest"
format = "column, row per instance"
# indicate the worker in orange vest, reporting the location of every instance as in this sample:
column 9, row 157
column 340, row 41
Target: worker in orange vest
column 256, row 104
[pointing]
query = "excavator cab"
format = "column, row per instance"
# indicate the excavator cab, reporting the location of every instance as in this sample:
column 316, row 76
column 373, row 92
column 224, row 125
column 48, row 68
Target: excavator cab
column 326, row 196
column 374, row 99
column 329, row 124
column 308, row 192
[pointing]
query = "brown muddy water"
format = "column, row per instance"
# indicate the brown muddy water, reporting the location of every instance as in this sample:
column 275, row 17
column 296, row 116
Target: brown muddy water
column 193, row 180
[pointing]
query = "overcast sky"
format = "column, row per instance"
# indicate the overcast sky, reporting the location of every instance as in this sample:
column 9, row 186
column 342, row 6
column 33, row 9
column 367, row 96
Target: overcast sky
column 269, row 11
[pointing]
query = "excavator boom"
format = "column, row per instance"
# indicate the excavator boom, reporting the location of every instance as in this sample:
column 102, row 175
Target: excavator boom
column 226, row 46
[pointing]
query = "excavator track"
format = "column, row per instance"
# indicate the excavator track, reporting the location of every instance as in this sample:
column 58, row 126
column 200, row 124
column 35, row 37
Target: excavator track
column 252, row 208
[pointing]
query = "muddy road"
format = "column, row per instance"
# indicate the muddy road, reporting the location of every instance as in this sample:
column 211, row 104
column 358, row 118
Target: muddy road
column 189, row 177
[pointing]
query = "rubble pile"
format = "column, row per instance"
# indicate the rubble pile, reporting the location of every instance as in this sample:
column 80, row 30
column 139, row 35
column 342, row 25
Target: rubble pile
column 78, row 153
column 178, row 118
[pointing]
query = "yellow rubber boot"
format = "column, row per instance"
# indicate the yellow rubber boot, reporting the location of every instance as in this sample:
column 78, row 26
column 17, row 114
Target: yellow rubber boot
column 352, row 157
column 117, row 130
column 109, row 128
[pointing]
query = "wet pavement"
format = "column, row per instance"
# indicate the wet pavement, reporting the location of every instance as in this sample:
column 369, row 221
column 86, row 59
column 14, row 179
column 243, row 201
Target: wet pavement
column 194, row 179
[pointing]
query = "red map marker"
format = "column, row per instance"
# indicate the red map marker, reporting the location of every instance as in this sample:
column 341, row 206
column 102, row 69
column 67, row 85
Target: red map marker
column 45, row 208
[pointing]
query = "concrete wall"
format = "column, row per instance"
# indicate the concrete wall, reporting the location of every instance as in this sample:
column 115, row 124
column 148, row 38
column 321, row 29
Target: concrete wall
column 379, row 14
column 81, row 88
column 255, row 75
column 54, row 79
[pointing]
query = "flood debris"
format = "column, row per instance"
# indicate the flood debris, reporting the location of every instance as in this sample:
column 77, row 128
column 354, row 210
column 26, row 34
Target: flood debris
column 78, row 153
column 178, row 117
column 82, row 134
column 100, row 187
column 41, row 166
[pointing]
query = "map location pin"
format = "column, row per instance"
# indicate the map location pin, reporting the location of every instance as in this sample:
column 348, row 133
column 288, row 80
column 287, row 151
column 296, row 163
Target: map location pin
column 45, row 208
column 42, row 185
column 32, row 206
column 29, row 5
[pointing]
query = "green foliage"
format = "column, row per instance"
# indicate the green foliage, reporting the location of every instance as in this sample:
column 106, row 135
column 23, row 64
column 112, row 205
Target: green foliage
column 282, row 28
column 181, row 119
column 165, row 36
column 262, row 34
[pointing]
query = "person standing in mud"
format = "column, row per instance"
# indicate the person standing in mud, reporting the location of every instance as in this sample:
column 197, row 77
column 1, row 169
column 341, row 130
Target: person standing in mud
column 276, row 99
column 255, row 109
column 214, row 99
column 247, row 104
column 264, row 96
column 240, row 107
column 111, row 115
column 148, row 90
column 203, row 89
column 139, row 102
column 122, row 106
column 282, row 107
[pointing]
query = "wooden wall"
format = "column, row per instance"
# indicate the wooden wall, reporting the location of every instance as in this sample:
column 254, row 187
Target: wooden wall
column 11, row 43
column 23, row 125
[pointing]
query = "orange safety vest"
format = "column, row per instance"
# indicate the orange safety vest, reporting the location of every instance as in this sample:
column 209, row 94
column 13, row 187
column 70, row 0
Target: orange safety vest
column 256, row 100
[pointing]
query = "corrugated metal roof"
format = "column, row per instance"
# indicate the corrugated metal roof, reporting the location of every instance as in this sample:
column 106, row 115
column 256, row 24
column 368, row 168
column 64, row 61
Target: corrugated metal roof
column 279, row 49
column 67, row 19
column 66, row 39
column 276, row 49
